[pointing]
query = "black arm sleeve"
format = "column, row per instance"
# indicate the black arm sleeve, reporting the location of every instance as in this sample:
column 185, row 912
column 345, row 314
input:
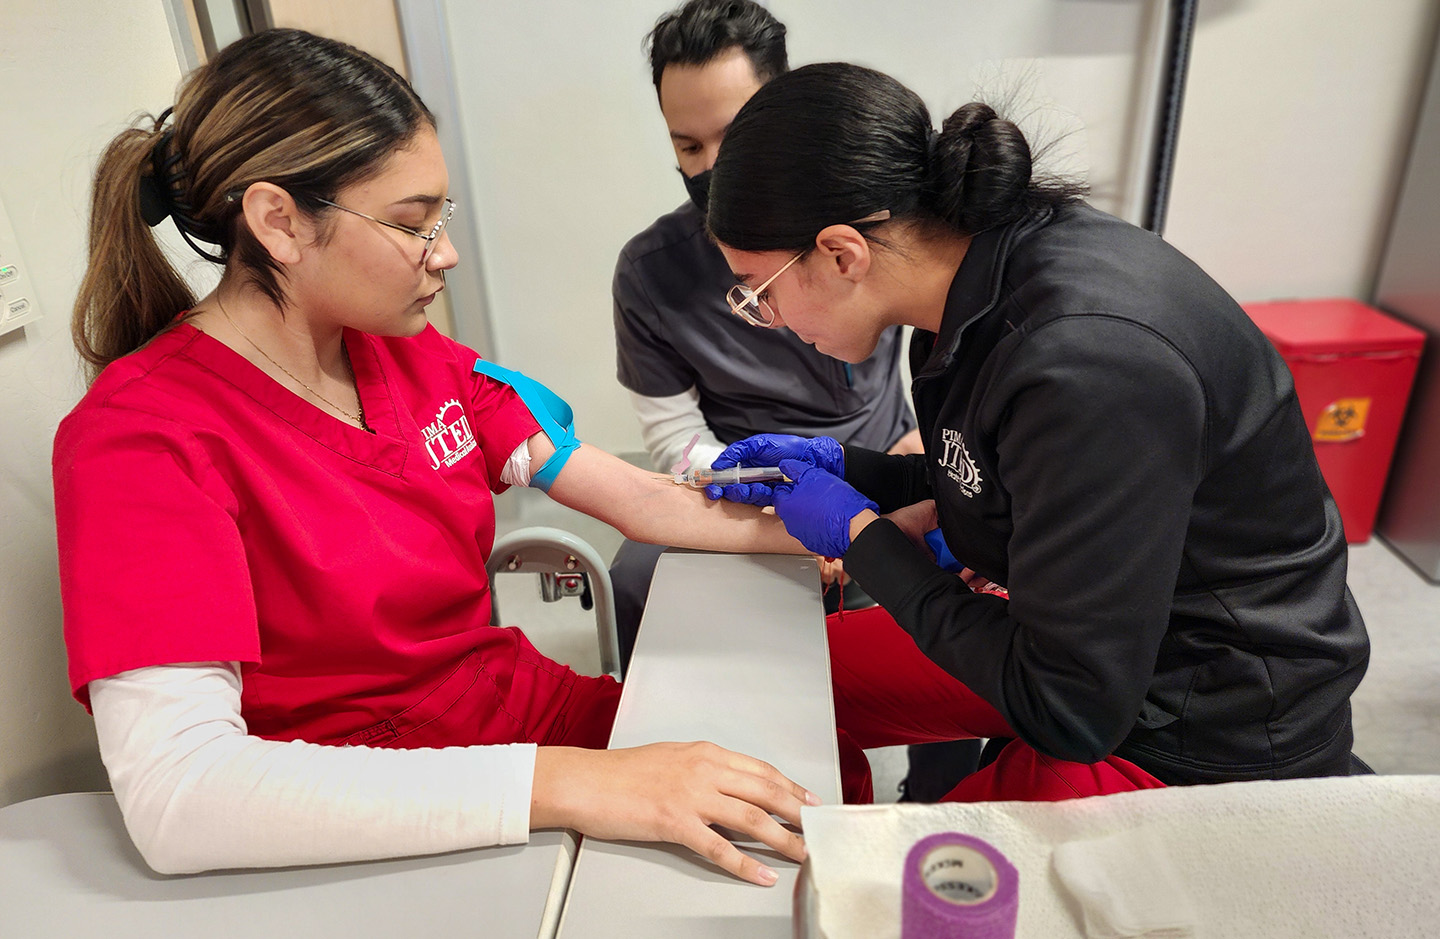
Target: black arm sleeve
column 1101, row 431
column 892, row 480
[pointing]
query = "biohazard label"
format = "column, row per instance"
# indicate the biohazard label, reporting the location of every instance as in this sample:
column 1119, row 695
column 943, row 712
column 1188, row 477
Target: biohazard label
column 1343, row 419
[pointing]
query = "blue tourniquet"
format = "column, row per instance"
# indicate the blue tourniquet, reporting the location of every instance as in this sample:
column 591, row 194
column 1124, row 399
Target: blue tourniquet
column 549, row 410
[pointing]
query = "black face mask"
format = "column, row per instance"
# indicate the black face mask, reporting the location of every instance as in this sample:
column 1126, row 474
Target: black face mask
column 698, row 186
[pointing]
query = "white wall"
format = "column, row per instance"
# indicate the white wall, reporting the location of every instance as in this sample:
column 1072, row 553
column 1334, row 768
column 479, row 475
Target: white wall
column 570, row 155
column 74, row 70
column 1297, row 118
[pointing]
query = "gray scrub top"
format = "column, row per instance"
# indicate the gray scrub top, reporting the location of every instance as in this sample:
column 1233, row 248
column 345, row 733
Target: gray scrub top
column 674, row 329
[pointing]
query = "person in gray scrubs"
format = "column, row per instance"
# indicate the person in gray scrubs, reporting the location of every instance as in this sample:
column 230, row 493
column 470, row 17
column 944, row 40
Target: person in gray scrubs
column 690, row 365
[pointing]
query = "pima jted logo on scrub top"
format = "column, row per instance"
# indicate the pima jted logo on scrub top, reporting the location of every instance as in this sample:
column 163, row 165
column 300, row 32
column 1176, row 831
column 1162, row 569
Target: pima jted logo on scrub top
column 957, row 463
column 449, row 437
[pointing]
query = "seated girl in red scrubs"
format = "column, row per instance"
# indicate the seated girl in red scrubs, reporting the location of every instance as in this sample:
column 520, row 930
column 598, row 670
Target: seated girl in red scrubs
column 274, row 508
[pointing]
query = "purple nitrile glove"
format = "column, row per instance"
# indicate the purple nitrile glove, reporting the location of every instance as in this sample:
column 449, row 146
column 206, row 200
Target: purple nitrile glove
column 817, row 508
column 769, row 450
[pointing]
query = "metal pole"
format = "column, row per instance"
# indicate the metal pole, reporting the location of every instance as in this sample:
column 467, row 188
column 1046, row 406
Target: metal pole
column 1177, row 55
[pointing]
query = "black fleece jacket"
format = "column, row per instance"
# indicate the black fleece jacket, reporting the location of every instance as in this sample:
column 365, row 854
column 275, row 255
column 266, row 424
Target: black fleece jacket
column 1110, row 437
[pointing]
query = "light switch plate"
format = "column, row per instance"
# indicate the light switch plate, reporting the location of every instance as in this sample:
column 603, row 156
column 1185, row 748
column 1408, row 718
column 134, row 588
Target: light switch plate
column 17, row 296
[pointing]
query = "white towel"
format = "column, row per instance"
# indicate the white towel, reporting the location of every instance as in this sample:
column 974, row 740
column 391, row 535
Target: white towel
column 1127, row 886
column 1337, row 858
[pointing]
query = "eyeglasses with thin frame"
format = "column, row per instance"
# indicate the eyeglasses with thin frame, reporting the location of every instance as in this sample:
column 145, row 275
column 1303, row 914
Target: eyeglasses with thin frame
column 749, row 303
column 447, row 209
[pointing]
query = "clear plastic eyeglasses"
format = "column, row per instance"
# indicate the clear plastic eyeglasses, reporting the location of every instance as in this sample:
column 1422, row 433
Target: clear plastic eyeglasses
column 447, row 209
column 749, row 303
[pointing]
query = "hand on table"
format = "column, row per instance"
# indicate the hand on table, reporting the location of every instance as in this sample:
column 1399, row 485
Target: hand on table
column 672, row 792
column 769, row 450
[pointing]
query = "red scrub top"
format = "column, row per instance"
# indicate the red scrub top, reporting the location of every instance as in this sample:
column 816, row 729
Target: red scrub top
column 206, row 513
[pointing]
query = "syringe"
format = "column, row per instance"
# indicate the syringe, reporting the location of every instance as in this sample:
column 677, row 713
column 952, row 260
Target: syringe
column 702, row 477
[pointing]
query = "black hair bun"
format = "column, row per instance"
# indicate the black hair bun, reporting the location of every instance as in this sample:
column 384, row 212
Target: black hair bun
column 980, row 169
column 969, row 120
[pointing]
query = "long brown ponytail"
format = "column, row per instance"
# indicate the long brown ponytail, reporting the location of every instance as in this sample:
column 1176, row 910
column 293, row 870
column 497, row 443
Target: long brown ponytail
column 130, row 290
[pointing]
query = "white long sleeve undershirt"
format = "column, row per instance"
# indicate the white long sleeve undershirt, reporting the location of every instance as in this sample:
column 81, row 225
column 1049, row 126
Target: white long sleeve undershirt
column 198, row 792
column 668, row 423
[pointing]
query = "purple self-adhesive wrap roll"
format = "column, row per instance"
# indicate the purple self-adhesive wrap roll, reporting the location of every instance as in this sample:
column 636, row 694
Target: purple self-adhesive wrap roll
column 958, row 886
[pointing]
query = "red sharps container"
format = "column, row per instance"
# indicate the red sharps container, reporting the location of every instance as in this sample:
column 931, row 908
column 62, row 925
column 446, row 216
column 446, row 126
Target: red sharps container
column 1353, row 368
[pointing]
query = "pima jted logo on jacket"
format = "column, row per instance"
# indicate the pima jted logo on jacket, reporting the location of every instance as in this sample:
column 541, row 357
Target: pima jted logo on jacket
column 957, row 463
column 448, row 437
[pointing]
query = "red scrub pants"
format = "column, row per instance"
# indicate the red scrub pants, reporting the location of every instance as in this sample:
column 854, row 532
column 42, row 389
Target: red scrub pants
column 888, row 693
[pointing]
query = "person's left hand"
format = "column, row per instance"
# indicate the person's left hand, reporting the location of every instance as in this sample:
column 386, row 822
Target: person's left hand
column 817, row 508
column 672, row 792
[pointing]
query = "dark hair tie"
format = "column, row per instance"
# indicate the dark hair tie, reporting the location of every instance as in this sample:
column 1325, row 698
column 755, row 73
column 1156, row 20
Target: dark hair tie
column 155, row 202
column 160, row 195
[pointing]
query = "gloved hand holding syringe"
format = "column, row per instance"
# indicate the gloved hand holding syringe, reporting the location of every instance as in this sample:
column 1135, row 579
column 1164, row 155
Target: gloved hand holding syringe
column 700, row 477
column 735, row 476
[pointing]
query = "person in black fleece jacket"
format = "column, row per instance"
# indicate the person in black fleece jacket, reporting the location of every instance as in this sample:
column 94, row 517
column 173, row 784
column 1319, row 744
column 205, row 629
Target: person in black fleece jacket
column 1107, row 435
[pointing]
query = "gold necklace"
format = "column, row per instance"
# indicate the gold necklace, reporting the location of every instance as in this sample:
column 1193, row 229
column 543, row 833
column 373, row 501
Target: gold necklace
column 352, row 416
